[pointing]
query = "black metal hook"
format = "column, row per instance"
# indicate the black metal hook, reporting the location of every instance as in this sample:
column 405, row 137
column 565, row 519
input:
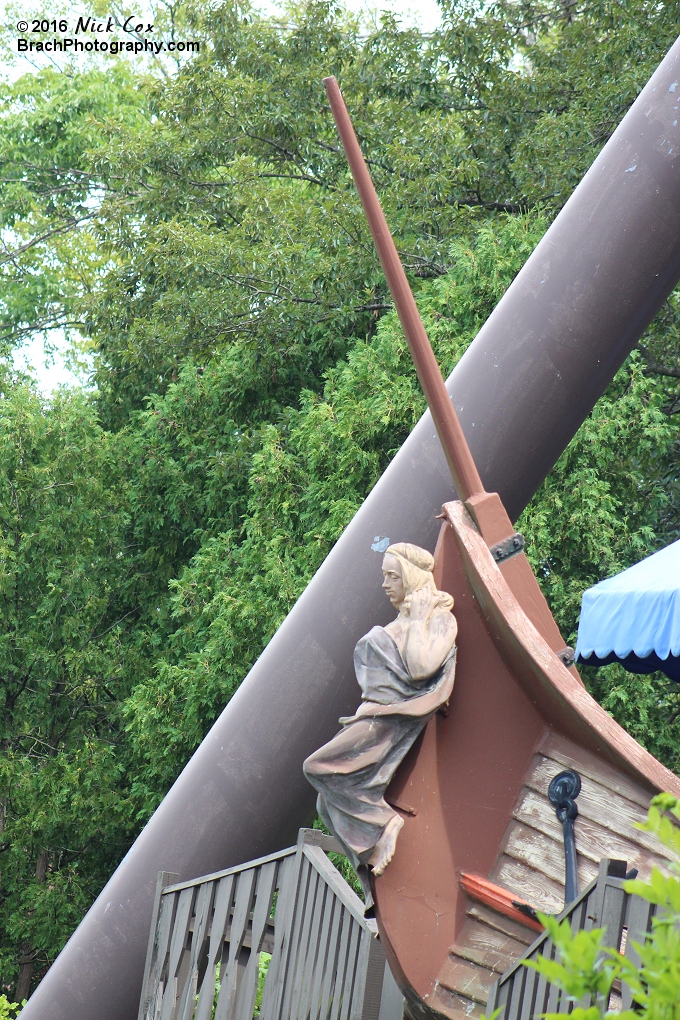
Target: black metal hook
column 562, row 793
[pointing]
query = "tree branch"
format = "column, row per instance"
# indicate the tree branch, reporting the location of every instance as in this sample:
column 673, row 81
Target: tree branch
column 655, row 367
column 64, row 228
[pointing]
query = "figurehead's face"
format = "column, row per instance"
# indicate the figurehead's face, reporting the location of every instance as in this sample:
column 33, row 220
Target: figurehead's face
column 394, row 581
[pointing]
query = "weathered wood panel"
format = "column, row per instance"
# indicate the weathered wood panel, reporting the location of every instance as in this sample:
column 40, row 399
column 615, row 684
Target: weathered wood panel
column 523, row 995
column 488, row 944
column 528, row 884
column 593, row 840
column 605, row 807
column 531, row 859
column 487, row 948
column 467, row 979
column 498, row 922
column 543, row 853
column 569, row 756
column 454, row 1006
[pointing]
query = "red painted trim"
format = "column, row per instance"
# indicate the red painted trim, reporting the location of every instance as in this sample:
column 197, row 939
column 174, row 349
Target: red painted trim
column 494, row 896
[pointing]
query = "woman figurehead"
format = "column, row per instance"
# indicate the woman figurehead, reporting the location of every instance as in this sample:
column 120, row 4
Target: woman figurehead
column 408, row 569
column 401, row 687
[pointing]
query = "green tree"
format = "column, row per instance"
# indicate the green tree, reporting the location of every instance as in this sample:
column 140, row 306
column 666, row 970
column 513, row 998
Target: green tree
column 68, row 654
column 211, row 210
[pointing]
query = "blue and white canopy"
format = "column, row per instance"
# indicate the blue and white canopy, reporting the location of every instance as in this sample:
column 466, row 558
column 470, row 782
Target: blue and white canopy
column 634, row 617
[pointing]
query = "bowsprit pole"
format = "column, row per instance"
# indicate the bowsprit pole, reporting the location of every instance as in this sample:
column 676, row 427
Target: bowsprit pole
column 486, row 508
column 465, row 475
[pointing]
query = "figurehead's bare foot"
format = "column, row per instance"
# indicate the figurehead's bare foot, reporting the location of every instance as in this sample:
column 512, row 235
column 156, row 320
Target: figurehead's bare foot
column 386, row 845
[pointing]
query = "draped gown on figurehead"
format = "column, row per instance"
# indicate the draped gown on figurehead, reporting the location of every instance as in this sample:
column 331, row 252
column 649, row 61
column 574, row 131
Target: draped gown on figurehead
column 353, row 770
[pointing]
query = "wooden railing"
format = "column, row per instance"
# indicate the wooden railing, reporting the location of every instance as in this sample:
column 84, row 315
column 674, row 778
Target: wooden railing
column 205, row 958
column 524, row 994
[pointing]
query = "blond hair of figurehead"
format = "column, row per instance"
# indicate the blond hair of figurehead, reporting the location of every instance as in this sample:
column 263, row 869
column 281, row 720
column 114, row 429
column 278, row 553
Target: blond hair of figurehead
column 416, row 570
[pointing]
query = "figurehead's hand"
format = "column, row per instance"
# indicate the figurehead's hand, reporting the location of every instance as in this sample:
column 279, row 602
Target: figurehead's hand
column 421, row 605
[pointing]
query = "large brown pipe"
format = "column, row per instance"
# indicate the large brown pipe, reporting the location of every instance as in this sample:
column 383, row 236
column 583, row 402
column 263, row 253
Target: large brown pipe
column 527, row 382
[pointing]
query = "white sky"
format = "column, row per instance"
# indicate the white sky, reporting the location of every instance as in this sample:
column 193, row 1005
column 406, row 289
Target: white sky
column 49, row 368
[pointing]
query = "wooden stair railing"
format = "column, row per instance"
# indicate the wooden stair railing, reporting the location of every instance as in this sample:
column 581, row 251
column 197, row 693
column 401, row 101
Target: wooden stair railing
column 207, row 937
column 524, row 994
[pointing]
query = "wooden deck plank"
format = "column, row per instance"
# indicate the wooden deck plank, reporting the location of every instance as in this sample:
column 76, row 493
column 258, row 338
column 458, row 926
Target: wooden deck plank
column 542, row 853
column 527, row 1011
column 593, row 916
column 332, row 949
column 600, row 805
column 316, row 1007
column 529, row 885
column 335, row 881
column 612, row 915
column 467, row 979
column 541, row 985
column 456, row 1007
column 214, row 876
column 553, row 998
column 264, row 893
column 204, row 902
column 347, row 993
column 286, row 885
column 569, row 756
column 517, row 994
column 297, row 966
column 486, row 947
column 168, row 903
column 639, row 923
column 346, row 922
column 502, row 995
column 177, row 949
column 362, row 996
column 316, row 908
column 299, row 892
column 500, row 923
column 593, row 840
column 149, row 980
column 375, row 990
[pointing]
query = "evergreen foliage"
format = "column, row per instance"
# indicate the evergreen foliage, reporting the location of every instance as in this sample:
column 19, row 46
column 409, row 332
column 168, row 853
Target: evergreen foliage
column 197, row 232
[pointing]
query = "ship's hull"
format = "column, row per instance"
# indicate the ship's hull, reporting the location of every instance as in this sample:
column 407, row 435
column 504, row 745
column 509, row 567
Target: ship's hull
column 473, row 791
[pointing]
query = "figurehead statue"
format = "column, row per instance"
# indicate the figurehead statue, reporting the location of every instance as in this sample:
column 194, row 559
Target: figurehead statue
column 406, row 672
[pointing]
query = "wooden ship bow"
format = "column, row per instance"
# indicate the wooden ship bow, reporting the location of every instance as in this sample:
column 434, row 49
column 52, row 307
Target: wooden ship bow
column 483, row 841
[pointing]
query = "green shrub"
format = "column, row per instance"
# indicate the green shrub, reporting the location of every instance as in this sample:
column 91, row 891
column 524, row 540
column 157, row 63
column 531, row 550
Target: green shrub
column 586, row 968
column 8, row 1010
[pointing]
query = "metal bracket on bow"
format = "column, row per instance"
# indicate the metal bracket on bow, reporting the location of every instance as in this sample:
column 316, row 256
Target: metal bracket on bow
column 562, row 793
column 508, row 547
column 567, row 656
